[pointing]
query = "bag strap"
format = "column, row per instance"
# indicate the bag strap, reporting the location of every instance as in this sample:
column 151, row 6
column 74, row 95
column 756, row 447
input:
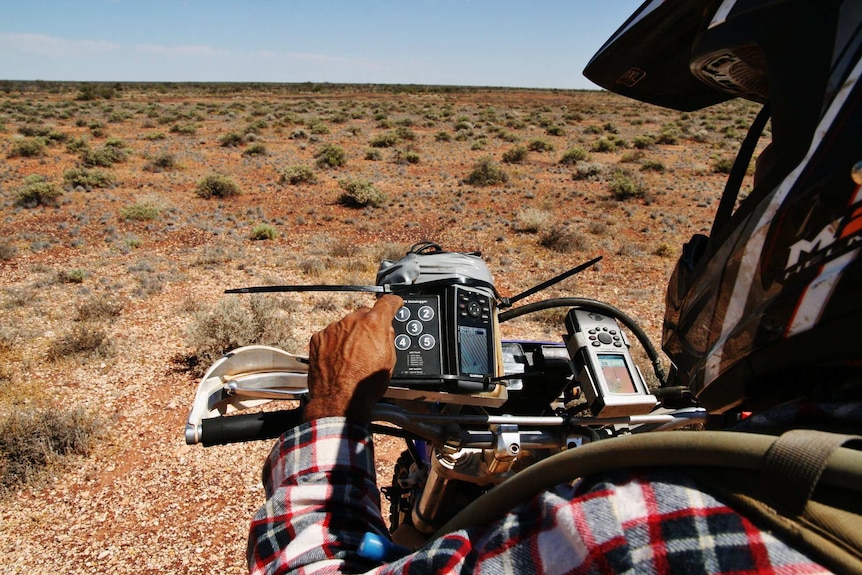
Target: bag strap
column 792, row 466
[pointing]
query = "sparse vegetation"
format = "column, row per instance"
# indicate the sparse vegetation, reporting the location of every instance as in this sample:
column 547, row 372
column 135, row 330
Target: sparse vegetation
column 487, row 173
column 531, row 220
column 359, row 193
column 263, row 232
column 330, row 156
column 38, row 191
column 87, row 178
column 34, row 440
column 560, row 238
column 28, row 148
column 295, row 175
column 574, row 155
column 217, row 186
column 233, row 323
column 515, row 155
column 144, row 210
column 624, row 186
column 162, row 162
column 97, row 293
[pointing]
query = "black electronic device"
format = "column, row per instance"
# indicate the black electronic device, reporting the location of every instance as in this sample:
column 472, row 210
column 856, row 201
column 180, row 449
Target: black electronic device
column 445, row 338
column 609, row 379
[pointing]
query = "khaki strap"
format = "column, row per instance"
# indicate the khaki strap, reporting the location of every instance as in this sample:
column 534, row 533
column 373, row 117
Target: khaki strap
column 794, row 463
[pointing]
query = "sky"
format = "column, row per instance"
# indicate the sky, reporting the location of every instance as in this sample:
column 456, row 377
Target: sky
column 531, row 44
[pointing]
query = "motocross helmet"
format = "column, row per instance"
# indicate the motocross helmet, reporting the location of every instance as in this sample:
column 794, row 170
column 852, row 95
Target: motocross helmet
column 766, row 307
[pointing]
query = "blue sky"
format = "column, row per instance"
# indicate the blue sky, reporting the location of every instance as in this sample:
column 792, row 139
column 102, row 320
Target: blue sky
column 537, row 44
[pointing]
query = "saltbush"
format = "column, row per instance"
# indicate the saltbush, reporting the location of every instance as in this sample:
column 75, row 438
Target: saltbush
column 38, row 191
column 217, row 186
column 623, row 186
column 295, row 175
column 574, row 155
column 31, row 440
column 263, row 232
column 28, row 147
column 486, row 173
column 515, row 155
column 359, row 193
column 330, row 156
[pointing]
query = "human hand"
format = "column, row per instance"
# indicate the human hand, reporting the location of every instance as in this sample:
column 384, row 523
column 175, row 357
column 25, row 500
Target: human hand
column 351, row 362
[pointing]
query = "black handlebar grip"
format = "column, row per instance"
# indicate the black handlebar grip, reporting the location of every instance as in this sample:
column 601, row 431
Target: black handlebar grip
column 250, row 427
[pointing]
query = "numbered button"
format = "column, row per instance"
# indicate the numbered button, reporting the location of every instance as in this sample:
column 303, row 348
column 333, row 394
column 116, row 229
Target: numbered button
column 426, row 313
column 414, row 327
column 402, row 342
column 403, row 314
column 427, row 341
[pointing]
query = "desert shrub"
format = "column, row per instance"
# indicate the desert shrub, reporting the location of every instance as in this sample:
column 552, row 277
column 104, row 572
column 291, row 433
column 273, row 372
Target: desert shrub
column 232, row 140
column 72, row 276
column 722, row 165
column 404, row 133
column 32, row 440
column 406, row 157
column 574, row 155
column 263, row 232
column 256, row 149
column 98, row 308
column 632, row 157
column 7, row 250
column 443, row 136
column 515, row 155
column 87, row 178
column 161, row 162
column 38, row 191
column 589, row 171
column 603, row 145
column 184, row 129
column 77, row 145
column 144, row 210
column 112, row 152
column 28, row 148
column 623, row 186
column 318, row 129
column 373, row 155
column 643, row 142
column 155, row 136
column 233, row 323
column 539, row 145
column 555, row 131
column 386, row 140
column 295, row 175
column 667, row 136
column 652, row 166
column 531, row 220
column 217, row 186
column 359, row 193
column 330, row 156
column 663, row 250
column 560, row 238
column 487, row 173
column 84, row 339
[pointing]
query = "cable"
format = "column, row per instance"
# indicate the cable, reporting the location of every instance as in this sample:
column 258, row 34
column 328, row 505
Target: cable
column 597, row 306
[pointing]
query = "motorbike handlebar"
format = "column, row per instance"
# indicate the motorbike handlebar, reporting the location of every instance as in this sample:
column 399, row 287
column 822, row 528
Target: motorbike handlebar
column 249, row 427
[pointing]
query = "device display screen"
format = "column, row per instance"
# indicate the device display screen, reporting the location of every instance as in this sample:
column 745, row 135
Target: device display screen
column 474, row 349
column 616, row 373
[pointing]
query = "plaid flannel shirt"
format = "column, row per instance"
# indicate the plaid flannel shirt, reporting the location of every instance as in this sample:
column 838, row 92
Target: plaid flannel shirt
column 322, row 498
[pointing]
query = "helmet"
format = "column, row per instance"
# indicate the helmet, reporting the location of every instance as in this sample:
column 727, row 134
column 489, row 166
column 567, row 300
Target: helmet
column 766, row 307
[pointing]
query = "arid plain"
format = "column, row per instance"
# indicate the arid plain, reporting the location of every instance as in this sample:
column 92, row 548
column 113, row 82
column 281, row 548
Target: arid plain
column 127, row 210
